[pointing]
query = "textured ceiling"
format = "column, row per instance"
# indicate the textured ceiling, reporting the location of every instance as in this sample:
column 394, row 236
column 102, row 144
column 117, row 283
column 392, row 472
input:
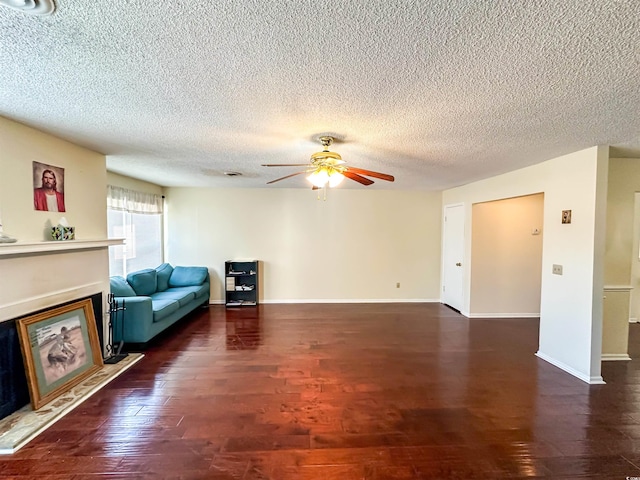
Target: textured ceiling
column 437, row 93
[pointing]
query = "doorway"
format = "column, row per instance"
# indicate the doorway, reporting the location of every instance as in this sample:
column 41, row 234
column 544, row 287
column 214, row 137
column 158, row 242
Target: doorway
column 506, row 257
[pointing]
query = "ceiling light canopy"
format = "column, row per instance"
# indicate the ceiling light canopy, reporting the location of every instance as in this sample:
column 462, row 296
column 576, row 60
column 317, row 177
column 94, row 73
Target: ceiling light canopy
column 31, row 7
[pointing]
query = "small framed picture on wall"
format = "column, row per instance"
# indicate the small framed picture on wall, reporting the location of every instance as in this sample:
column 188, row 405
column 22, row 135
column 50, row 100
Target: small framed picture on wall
column 48, row 188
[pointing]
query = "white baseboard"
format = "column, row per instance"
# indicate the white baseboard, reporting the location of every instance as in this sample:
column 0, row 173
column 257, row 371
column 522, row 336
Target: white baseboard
column 563, row 366
column 352, row 300
column 633, row 320
column 342, row 300
column 504, row 315
column 610, row 357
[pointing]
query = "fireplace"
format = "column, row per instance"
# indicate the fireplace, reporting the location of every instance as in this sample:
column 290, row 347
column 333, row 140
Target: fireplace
column 37, row 276
column 14, row 393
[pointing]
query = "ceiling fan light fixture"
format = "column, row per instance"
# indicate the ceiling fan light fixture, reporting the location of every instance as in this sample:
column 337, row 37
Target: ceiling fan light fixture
column 319, row 177
column 324, row 175
column 335, row 179
column 328, row 169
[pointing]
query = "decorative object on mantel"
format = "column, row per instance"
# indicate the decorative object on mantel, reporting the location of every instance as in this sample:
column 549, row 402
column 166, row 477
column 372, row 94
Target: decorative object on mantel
column 60, row 349
column 5, row 238
column 63, row 231
column 113, row 351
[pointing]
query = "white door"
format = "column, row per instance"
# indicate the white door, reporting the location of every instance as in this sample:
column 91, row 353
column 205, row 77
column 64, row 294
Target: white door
column 452, row 255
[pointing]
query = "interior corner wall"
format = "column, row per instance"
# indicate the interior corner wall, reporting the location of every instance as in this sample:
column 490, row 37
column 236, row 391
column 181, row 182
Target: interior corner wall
column 571, row 307
column 353, row 247
column 506, row 257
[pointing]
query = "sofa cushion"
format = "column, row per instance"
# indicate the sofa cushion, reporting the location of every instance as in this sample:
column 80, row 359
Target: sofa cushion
column 144, row 282
column 120, row 287
column 163, row 307
column 188, row 276
column 163, row 274
column 182, row 297
column 197, row 290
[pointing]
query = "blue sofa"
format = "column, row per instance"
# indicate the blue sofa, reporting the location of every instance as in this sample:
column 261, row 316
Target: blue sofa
column 156, row 298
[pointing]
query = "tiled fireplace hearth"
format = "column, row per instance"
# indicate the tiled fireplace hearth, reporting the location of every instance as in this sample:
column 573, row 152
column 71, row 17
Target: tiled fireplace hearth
column 39, row 276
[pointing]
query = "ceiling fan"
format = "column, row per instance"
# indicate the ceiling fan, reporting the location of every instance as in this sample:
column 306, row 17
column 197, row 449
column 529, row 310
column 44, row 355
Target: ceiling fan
column 328, row 169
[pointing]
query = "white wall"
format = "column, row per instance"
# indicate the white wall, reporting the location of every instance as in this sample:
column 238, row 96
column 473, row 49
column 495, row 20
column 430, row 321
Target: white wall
column 506, row 257
column 571, row 304
column 353, row 247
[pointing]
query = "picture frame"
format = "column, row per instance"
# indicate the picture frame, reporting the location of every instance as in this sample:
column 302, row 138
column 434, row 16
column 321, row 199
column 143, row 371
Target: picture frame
column 60, row 349
column 48, row 188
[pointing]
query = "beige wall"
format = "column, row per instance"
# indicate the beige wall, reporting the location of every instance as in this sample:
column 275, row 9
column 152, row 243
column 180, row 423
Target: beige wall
column 129, row 183
column 621, row 255
column 624, row 181
column 506, row 258
column 634, row 284
column 31, row 281
column 571, row 304
column 85, row 184
column 355, row 246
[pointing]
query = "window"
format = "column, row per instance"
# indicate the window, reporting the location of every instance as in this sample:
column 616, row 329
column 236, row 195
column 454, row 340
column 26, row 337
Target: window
column 136, row 217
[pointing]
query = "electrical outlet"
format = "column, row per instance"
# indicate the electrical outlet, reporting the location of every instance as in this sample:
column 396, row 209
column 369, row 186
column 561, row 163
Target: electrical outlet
column 398, row 285
column 556, row 269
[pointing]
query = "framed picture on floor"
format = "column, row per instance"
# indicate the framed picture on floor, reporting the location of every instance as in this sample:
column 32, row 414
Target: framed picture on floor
column 60, row 348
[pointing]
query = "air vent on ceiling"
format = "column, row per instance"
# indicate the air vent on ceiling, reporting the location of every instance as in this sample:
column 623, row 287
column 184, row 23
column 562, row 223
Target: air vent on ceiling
column 32, row 7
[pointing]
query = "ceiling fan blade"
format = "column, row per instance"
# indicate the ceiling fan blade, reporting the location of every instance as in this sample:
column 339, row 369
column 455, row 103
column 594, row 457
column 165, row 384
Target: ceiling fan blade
column 285, row 164
column 288, row 176
column 382, row 176
column 357, row 178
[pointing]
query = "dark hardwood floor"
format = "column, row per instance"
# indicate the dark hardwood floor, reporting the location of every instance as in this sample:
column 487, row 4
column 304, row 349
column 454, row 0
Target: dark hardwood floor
column 377, row 391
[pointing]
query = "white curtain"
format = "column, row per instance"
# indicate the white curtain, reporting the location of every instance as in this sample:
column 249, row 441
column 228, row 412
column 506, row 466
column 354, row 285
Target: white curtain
column 132, row 201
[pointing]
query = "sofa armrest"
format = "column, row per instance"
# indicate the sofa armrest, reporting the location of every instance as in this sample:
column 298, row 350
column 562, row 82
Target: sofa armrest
column 134, row 322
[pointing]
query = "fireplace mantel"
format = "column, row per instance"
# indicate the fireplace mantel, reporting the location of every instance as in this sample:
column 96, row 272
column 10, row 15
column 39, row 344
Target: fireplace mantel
column 37, row 275
column 30, row 248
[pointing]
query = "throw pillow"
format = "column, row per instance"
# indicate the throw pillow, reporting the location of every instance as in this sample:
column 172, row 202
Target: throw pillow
column 144, row 282
column 120, row 287
column 163, row 273
column 188, row 276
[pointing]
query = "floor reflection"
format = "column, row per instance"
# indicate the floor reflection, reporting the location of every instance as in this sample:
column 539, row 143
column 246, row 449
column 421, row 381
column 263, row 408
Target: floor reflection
column 243, row 333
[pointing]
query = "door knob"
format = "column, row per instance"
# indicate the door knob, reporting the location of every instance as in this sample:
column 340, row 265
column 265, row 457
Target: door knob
column 458, row 264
